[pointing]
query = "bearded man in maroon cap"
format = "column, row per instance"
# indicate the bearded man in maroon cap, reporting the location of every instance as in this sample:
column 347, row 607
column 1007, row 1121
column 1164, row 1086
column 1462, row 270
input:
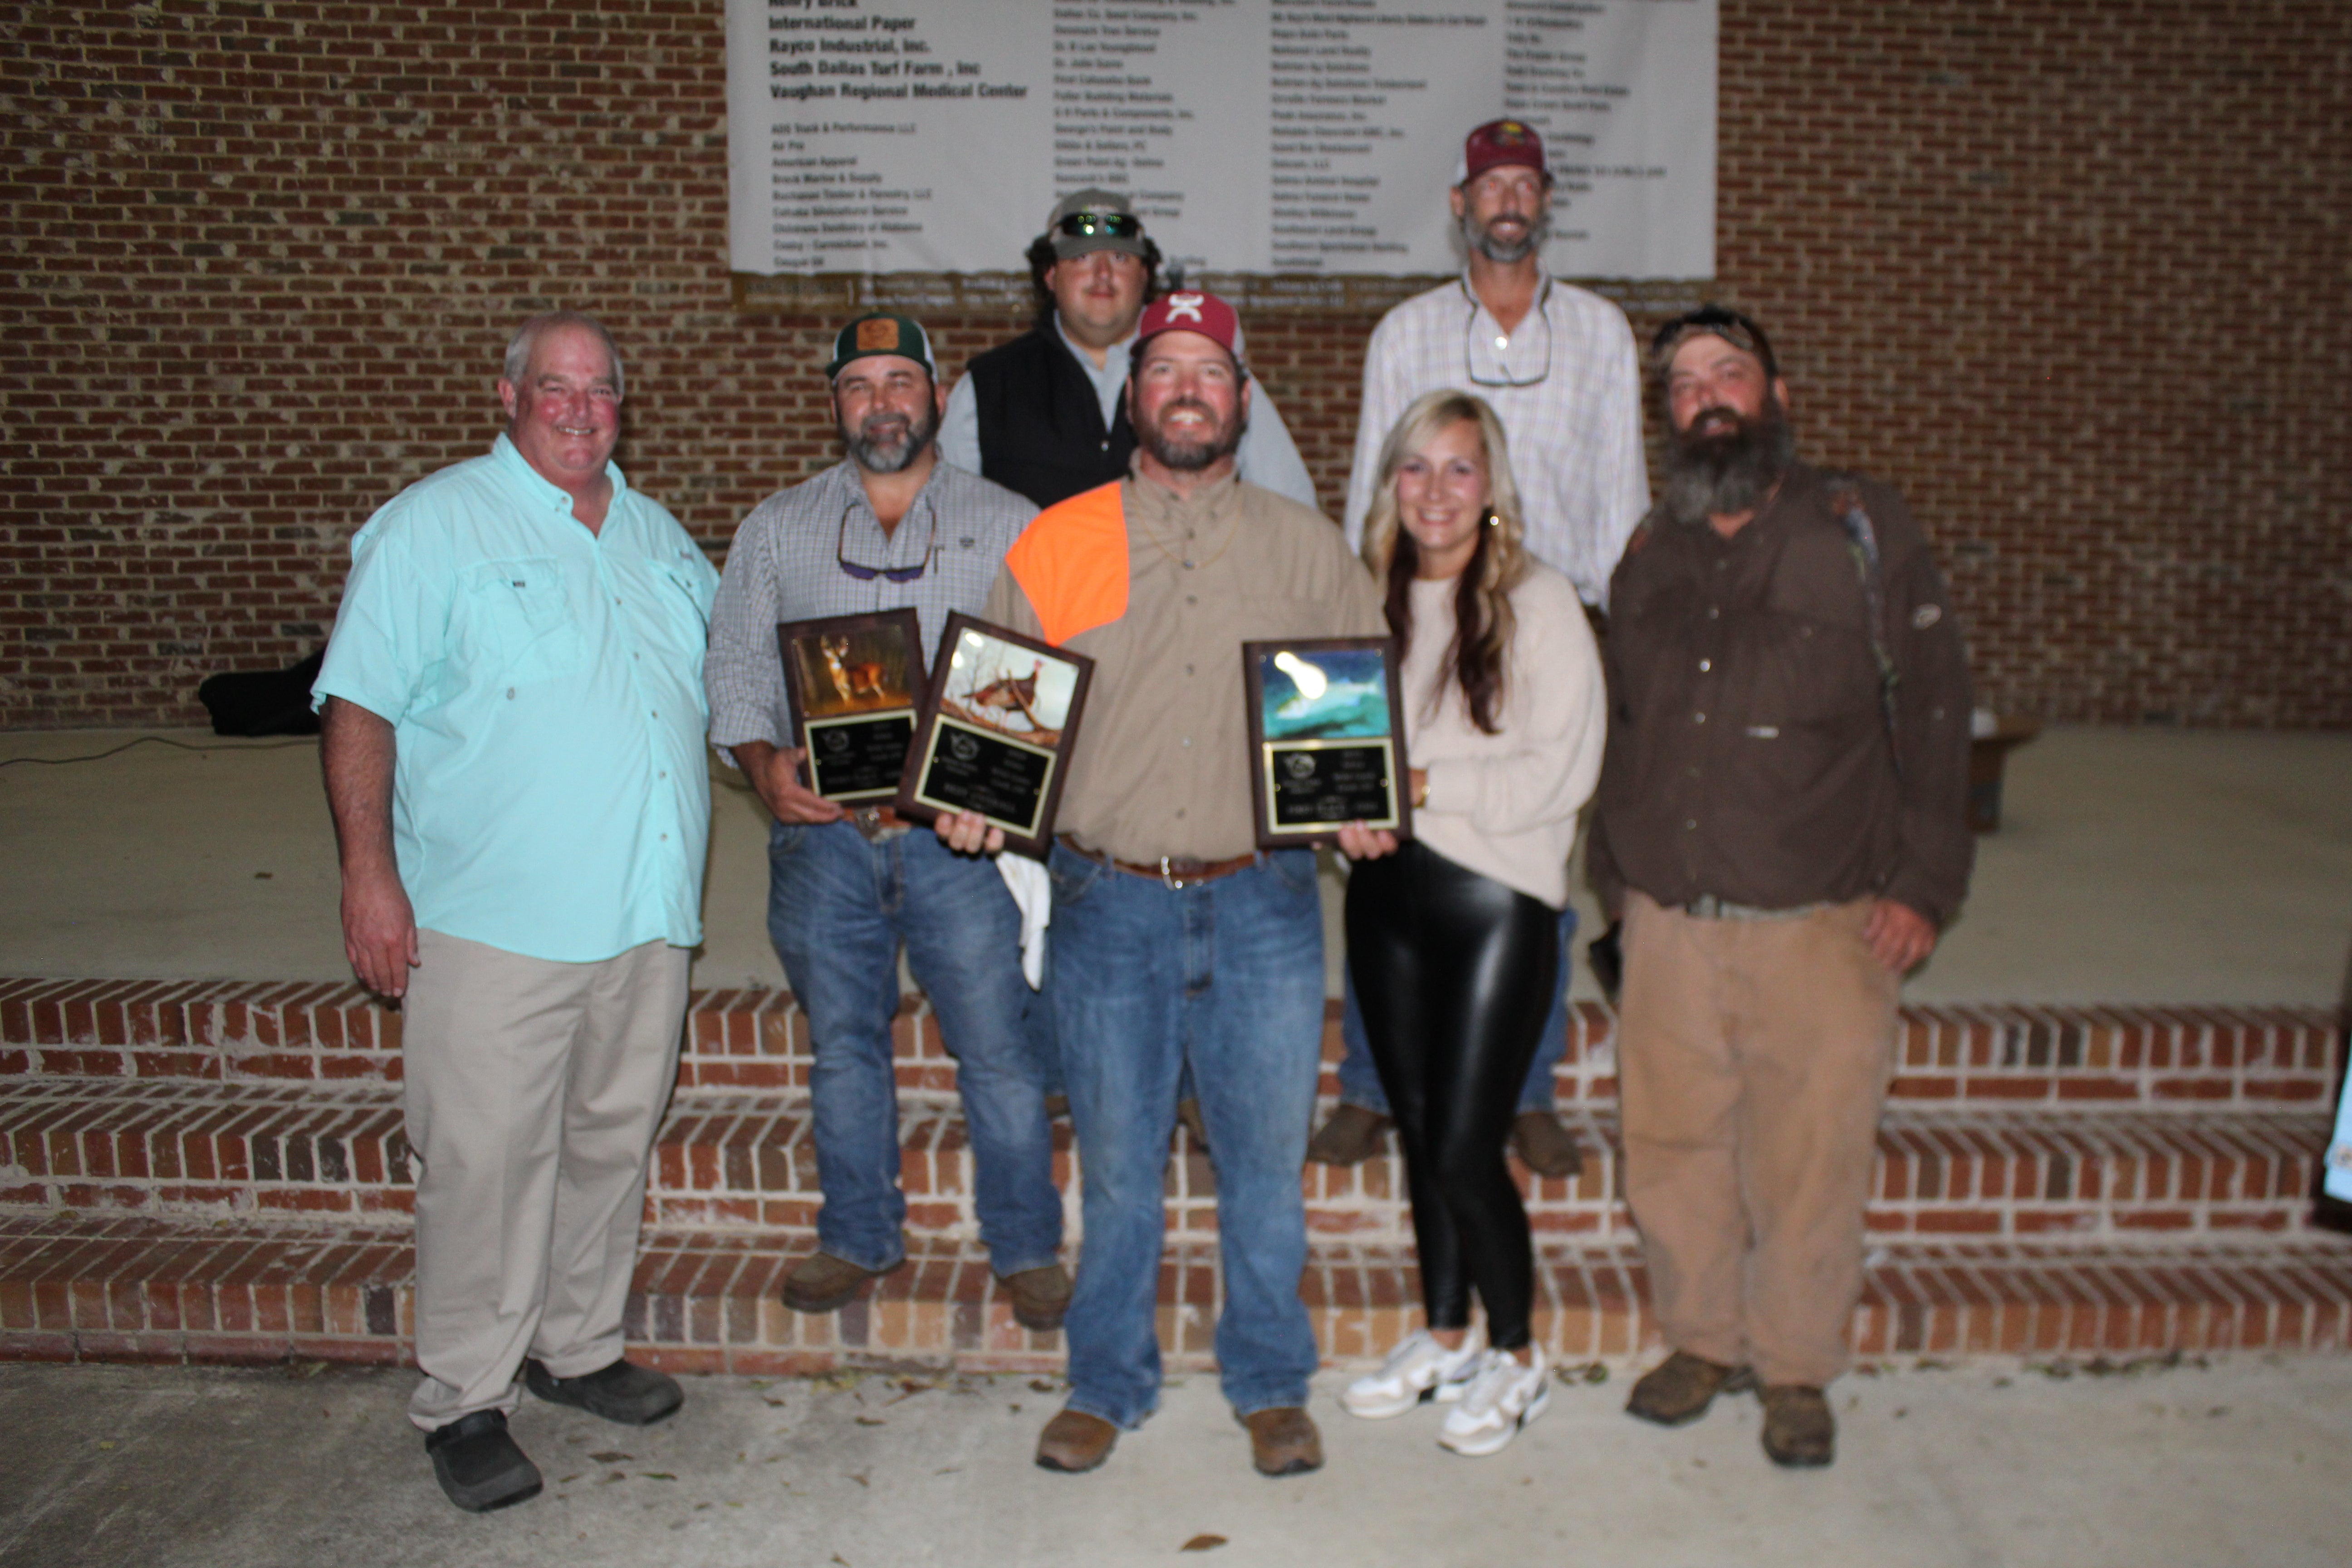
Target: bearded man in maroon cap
column 1177, row 939
column 1557, row 365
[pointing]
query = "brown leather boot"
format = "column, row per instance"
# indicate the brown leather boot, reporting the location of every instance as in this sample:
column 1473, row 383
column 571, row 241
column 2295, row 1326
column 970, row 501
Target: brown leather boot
column 1349, row 1138
column 1678, row 1390
column 1800, row 1433
column 1284, row 1441
column 822, row 1282
column 1074, row 1442
column 1545, row 1146
column 1040, row 1297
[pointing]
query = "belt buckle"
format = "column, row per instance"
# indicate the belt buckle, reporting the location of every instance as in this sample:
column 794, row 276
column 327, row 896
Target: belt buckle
column 867, row 820
column 1174, row 868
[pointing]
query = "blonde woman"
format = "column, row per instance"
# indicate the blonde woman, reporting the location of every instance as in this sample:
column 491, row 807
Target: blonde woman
column 1453, row 939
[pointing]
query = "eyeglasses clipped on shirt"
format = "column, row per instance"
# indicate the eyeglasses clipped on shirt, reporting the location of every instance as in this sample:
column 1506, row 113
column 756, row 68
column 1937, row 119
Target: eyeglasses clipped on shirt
column 887, row 574
column 1508, row 377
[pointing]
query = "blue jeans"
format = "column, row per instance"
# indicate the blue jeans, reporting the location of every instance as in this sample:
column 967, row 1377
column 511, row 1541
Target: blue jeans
column 838, row 906
column 1359, row 1081
column 1227, row 975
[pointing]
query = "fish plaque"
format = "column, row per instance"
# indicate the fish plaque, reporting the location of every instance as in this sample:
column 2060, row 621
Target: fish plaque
column 1327, row 739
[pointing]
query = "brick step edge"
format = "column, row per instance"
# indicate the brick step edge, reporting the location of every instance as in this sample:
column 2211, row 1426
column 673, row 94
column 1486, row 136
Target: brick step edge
column 245, row 1152
column 140, row 1291
column 756, row 1039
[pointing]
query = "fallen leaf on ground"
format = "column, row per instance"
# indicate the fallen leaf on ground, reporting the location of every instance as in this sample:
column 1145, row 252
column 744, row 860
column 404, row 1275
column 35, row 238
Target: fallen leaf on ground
column 872, row 1421
column 861, row 1480
column 1202, row 1543
column 657, row 1475
column 612, row 1457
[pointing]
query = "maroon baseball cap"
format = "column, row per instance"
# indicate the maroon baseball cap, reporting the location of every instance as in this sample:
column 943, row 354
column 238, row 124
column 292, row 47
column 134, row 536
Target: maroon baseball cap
column 1190, row 310
column 1498, row 143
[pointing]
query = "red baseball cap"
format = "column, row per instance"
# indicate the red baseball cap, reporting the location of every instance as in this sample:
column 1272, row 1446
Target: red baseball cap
column 1498, row 143
column 1190, row 310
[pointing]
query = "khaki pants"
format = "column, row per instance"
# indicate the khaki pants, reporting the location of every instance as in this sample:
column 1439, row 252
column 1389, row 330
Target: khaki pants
column 1753, row 1057
column 532, row 1091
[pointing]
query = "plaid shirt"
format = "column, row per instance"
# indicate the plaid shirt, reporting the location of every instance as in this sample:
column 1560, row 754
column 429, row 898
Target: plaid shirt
column 1575, row 426
column 786, row 566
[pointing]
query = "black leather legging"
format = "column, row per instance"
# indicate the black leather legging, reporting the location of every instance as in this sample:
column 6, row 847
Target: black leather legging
column 1454, row 972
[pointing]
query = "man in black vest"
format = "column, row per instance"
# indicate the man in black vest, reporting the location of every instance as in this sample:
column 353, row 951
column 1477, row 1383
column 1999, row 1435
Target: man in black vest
column 1045, row 414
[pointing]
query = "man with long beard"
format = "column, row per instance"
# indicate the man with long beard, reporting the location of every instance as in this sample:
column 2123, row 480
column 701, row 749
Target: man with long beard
column 1781, row 828
column 891, row 527
column 1178, row 941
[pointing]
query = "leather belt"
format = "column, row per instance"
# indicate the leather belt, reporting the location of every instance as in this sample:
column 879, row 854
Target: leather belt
column 875, row 823
column 1708, row 907
column 1175, row 872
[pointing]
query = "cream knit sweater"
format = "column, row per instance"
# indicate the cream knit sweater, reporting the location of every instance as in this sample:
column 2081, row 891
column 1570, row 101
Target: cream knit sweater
column 1505, row 805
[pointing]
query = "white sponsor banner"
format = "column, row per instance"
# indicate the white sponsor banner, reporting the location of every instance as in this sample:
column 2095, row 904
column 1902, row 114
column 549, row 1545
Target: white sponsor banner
column 1313, row 136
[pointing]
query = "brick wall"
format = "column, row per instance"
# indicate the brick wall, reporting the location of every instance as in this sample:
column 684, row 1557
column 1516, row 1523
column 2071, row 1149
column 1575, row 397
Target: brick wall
column 2070, row 273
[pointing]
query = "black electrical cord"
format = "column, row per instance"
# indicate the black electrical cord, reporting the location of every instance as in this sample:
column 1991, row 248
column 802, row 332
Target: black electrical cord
column 148, row 741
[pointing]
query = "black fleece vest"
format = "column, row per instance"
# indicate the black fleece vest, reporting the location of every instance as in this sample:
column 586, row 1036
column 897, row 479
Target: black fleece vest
column 1041, row 429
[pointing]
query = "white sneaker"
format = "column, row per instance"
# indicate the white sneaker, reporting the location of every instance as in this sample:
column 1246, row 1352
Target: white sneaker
column 1502, row 1397
column 1416, row 1371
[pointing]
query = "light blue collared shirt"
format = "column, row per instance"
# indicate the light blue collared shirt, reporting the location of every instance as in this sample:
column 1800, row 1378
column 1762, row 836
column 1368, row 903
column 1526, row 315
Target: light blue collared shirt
column 545, row 686
column 1266, row 457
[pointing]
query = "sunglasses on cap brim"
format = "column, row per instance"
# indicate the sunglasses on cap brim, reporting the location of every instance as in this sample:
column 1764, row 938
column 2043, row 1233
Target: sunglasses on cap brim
column 1101, row 226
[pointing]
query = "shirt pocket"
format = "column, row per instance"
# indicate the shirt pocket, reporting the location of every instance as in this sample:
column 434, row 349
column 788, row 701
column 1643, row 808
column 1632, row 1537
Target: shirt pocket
column 678, row 590
column 518, row 623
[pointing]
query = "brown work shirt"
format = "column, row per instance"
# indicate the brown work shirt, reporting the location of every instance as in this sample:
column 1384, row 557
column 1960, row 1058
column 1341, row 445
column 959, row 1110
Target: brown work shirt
column 1160, row 766
column 1748, row 755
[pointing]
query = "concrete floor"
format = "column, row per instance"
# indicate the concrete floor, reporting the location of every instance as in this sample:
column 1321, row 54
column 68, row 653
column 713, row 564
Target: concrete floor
column 2137, row 866
column 2240, row 1462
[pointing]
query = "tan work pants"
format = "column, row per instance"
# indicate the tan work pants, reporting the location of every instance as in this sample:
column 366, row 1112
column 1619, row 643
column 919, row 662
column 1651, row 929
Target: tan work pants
column 533, row 1089
column 1753, row 1057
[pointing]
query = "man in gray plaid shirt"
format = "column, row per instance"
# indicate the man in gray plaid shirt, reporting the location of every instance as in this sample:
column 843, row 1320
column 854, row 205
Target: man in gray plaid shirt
column 891, row 527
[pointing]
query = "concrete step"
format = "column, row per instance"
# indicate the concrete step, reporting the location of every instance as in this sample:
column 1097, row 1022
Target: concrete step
column 756, row 1040
column 115, row 1287
column 262, row 1150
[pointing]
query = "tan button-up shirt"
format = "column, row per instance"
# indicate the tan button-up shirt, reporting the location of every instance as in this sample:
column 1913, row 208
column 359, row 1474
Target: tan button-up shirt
column 1161, row 761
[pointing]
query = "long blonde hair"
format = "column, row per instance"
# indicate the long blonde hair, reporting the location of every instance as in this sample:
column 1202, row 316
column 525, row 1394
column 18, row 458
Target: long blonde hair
column 1483, row 622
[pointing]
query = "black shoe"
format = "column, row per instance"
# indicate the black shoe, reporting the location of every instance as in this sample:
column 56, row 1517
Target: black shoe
column 633, row 1396
column 478, row 1465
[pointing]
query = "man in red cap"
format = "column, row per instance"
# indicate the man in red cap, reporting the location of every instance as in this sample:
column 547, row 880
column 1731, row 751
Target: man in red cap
column 1557, row 364
column 1176, row 939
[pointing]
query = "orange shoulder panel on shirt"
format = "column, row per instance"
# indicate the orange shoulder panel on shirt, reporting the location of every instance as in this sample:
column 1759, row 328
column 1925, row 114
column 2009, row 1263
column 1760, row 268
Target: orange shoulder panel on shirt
column 1072, row 562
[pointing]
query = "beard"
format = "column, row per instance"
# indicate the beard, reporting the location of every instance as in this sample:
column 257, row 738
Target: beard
column 1484, row 241
column 1184, row 456
column 886, row 444
column 1726, row 471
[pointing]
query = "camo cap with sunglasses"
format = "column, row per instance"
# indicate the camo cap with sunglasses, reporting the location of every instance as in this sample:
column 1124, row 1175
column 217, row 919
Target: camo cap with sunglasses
column 1715, row 321
column 1095, row 219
